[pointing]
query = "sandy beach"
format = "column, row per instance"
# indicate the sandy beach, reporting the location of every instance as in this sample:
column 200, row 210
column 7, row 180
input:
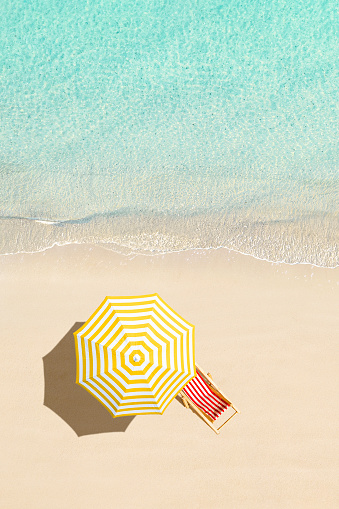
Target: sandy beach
column 268, row 334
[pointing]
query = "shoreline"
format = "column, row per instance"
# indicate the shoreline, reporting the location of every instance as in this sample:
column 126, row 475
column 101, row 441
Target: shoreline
column 308, row 240
column 130, row 255
column 102, row 251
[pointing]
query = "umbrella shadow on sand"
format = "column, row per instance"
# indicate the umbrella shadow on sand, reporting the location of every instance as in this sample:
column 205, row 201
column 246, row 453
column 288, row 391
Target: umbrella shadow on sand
column 81, row 411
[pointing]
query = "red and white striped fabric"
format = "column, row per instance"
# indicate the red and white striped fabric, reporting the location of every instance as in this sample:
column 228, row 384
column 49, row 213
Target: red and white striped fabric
column 202, row 395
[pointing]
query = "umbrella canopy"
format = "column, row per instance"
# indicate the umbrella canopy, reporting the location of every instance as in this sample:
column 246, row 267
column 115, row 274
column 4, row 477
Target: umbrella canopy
column 135, row 354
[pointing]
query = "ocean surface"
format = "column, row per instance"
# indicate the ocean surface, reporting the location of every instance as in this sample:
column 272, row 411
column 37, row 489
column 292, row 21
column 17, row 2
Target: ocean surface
column 151, row 127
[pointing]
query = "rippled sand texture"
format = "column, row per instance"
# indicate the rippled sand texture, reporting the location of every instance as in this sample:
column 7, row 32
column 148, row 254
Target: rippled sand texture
column 217, row 111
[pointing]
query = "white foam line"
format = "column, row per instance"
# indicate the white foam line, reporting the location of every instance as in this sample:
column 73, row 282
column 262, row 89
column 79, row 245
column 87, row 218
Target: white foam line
column 132, row 254
column 231, row 250
column 55, row 244
column 46, row 222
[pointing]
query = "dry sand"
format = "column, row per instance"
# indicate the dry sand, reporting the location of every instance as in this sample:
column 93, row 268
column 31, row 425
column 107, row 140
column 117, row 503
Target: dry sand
column 268, row 334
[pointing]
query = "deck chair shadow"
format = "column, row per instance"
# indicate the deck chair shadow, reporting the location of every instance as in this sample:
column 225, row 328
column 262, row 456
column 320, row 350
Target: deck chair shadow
column 205, row 398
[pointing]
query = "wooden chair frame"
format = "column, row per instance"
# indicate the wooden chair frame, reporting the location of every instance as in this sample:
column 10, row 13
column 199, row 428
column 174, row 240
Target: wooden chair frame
column 189, row 403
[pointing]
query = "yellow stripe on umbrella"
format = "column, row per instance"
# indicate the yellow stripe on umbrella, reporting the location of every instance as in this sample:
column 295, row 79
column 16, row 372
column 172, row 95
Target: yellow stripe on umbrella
column 135, row 354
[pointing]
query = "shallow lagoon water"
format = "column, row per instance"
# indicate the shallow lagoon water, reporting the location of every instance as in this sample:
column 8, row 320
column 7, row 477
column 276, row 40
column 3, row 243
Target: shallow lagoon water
column 151, row 127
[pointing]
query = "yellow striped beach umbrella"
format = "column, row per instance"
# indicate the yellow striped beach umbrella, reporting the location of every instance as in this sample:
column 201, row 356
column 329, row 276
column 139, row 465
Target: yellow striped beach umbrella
column 135, row 354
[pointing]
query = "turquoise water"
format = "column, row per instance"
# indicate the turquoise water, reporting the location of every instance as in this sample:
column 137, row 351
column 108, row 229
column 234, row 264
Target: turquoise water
column 160, row 126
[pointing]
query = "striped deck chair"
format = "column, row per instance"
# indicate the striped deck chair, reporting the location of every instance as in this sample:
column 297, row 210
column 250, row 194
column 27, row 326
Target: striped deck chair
column 206, row 399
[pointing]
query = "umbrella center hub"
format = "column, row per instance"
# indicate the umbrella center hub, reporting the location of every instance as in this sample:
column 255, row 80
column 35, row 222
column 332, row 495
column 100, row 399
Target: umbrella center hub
column 136, row 357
